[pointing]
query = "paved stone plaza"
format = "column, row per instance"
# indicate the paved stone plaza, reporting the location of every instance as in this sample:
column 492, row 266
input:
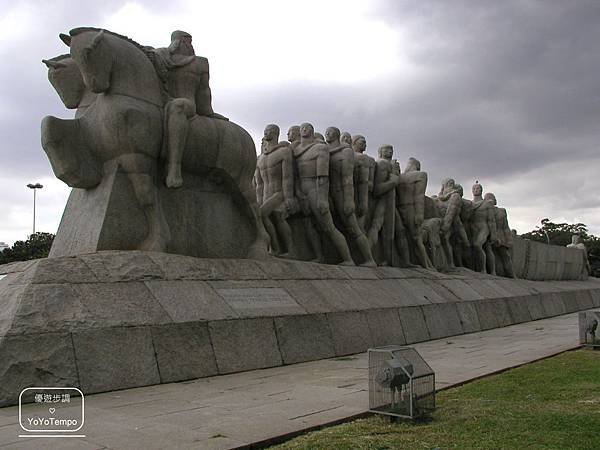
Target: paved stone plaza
column 239, row 409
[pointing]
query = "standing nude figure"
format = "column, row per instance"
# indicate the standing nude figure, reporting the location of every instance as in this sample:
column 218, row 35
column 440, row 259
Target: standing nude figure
column 341, row 191
column 364, row 174
column 274, row 180
column 449, row 202
column 293, row 136
column 411, row 204
column 505, row 239
column 483, row 231
column 386, row 218
column 311, row 158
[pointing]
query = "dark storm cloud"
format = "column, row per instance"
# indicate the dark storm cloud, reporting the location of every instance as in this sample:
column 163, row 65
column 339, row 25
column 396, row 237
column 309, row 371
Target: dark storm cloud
column 24, row 89
column 505, row 89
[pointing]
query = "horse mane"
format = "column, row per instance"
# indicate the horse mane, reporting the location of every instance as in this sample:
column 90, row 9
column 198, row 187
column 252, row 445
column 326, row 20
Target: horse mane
column 60, row 57
column 76, row 31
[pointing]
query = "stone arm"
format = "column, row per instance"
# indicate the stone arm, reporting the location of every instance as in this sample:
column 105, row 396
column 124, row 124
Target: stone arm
column 260, row 186
column 419, row 199
column 287, row 177
column 203, row 95
column 372, row 165
column 384, row 180
column 348, row 180
column 504, row 231
column 491, row 220
column 322, row 178
column 452, row 211
column 362, row 200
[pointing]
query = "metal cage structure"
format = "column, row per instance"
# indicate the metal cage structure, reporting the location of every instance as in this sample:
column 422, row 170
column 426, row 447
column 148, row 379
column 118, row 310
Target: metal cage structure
column 401, row 383
column 589, row 328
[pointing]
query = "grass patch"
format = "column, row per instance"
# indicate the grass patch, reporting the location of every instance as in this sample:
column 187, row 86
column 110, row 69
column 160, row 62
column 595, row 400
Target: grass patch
column 550, row 404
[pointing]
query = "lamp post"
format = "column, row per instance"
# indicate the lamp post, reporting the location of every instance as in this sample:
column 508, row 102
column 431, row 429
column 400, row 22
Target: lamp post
column 545, row 232
column 35, row 187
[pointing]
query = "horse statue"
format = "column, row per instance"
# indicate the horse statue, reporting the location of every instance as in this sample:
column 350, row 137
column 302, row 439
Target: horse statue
column 120, row 99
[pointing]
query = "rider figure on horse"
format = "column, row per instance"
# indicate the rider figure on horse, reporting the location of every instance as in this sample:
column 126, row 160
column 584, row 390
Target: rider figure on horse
column 185, row 77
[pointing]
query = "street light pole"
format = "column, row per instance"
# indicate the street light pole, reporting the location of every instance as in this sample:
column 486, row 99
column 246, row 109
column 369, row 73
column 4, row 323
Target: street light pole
column 545, row 232
column 35, row 187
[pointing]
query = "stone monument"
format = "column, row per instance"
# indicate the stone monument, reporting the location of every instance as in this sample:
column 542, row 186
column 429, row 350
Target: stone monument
column 274, row 181
column 117, row 151
column 577, row 243
column 160, row 270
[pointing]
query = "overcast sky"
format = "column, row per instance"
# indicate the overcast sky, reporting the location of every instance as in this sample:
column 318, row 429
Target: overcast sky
column 505, row 92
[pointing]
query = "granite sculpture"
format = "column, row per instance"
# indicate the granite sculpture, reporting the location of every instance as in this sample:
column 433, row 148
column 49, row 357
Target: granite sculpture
column 483, row 231
column 503, row 246
column 577, row 243
column 123, row 93
column 386, row 219
column 311, row 159
column 364, row 173
column 411, row 206
column 274, row 181
column 341, row 191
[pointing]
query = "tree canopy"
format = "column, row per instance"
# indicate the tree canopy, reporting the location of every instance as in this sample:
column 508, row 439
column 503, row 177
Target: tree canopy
column 36, row 246
column 560, row 234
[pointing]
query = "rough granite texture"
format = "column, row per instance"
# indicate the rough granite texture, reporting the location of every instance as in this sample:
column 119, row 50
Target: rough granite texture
column 119, row 319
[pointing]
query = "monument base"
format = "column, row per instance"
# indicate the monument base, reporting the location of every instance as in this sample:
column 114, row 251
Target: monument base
column 121, row 319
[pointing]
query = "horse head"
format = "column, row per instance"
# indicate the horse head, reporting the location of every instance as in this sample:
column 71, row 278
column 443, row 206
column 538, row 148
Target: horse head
column 91, row 52
column 66, row 79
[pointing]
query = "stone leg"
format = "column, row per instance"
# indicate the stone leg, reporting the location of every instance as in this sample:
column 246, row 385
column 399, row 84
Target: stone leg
column 325, row 223
column 313, row 238
column 284, row 231
column 141, row 172
column 355, row 233
column 421, row 253
column 178, row 112
column 266, row 213
column 376, row 223
column 506, row 262
column 401, row 241
column 490, row 259
column 448, row 252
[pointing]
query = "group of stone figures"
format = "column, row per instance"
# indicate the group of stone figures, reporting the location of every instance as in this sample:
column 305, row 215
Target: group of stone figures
column 149, row 110
column 341, row 194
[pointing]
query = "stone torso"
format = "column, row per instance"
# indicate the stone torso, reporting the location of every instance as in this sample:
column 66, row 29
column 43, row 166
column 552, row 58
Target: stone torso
column 338, row 157
column 505, row 237
column 270, row 165
column 310, row 160
column 183, row 82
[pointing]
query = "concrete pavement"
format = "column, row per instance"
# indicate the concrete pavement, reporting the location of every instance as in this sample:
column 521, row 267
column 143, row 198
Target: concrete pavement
column 243, row 408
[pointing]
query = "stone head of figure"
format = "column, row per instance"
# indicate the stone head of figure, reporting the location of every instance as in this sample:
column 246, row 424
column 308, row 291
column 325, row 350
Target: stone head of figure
column 307, row 130
column 91, row 51
column 413, row 165
column 65, row 77
column 448, row 184
column 386, row 151
column 359, row 143
column 319, row 136
column 346, row 138
column 459, row 189
column 332, row 134
column 181, row 43
column 490, row 197
column 271, row 133
column 293, row 133
column 575, row 239
column 477, row 189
